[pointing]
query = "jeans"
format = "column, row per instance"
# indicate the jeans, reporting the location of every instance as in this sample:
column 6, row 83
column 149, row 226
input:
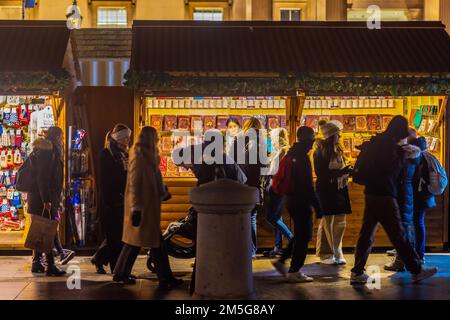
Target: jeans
column 274, row 218
column 419, row 228
column 384, row 210
column 253, row 226
column 298, row 245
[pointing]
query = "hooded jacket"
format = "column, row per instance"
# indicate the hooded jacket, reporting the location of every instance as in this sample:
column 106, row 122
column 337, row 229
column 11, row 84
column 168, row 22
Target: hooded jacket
column 49, row 177
column 410, row 166
column 386, row 165
column 304, row 195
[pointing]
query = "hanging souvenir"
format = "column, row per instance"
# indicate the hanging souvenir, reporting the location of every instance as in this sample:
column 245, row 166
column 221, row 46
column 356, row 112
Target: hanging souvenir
column 3, row 192
column 16, row 200
column 3, row 162
column 18, row 138
column 10, row 159
column 17, row 157
column 10, row 193
column 6, row 115
column 13, row 100
column 5, row 209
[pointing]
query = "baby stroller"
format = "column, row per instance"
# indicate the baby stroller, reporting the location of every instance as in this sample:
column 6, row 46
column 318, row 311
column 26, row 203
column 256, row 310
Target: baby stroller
column 179, row 239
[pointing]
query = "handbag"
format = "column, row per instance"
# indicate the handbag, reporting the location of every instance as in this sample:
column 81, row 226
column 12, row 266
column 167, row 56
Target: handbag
column 41, row 235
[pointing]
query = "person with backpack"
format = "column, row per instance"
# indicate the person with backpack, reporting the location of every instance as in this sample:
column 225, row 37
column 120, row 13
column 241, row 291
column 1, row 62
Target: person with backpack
column 378, row 168
column 331, row 185
column 423, row 198
column 45, row 195
column 113, row 176
column 275, row 202
column 405, row 197
column 294, row 179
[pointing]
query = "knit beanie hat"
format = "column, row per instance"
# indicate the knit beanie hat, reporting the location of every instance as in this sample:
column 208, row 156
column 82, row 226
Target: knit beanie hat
column 330, row 128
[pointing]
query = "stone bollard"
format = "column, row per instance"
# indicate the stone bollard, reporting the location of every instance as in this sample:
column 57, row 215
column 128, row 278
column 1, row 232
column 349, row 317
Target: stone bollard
column 224, row 245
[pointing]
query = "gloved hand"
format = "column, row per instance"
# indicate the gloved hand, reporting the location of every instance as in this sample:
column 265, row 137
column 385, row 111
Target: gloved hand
column 167, row 195
column 136, row 218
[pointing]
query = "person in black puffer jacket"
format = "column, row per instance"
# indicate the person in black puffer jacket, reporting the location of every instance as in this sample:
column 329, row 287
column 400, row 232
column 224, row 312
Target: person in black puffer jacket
column 423, row 199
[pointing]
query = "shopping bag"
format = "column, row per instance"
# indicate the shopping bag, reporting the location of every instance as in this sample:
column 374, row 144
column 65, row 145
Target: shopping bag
column 41, row 235
column 418, row 117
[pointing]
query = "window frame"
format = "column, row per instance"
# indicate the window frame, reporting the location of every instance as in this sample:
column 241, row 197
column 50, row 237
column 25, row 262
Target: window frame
column 290, row 9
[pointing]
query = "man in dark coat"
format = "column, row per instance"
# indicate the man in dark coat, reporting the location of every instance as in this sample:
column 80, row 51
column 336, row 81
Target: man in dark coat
column 45, row 197
column 300, row 206
column 378, row 168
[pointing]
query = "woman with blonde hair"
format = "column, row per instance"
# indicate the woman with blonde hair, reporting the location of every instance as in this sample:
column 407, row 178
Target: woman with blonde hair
column 143, row 195
column 113, row 174
column 332, row 179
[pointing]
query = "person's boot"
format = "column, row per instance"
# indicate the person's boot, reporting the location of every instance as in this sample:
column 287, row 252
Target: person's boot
column 36, row 264
column 396, row 265
column 52, row 270
column 99, row 269
column 124, row 279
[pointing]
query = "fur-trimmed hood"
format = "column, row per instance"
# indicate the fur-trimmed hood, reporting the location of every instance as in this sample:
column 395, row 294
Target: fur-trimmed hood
column 411, row 151
column 41, row 144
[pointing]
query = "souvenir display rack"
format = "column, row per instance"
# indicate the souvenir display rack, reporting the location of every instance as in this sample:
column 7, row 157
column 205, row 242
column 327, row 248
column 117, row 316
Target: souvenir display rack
column 363, row 117
column 171, row 114
column 23, row 118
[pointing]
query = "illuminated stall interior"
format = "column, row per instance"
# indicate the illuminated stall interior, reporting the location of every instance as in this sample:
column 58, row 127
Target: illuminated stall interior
column 32, row 98
column 291, row 74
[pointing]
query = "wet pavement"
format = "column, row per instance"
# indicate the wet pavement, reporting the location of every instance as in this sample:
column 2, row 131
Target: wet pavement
column 331, row 282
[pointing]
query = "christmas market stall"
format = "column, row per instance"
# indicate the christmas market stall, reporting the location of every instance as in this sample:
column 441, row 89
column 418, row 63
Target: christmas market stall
column 195, row 75
column 33, row 86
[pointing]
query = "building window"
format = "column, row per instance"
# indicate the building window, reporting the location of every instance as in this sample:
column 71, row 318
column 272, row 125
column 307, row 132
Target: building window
column 112, row 17
column 10, row 13
column 290, row 14
column 386, row 15
column 208, row 15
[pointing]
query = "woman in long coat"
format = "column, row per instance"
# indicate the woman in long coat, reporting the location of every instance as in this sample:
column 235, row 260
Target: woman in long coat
column 332, row 179
column 143, row 195
column 113, row 175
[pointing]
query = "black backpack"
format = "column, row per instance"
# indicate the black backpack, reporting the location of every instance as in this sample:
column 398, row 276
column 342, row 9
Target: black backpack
column 25, row 175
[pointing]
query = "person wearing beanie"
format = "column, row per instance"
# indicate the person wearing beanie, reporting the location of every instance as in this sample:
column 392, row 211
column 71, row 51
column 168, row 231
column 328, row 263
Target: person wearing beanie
column 378, row 167
column 113, row 177
column 300, row 206
column 331, row 185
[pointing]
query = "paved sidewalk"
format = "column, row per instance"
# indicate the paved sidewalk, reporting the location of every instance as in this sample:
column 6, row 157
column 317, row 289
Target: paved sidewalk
column 331, row 282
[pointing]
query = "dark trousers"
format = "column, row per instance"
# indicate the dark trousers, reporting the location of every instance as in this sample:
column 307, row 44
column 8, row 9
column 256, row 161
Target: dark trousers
column 420, row 234
column 159, row 257
column 108, row 252
column 298, row 245
column 58, row 244
column 384, row 210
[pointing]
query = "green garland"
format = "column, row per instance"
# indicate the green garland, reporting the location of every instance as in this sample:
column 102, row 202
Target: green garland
column 16, row 81
column 378, row 85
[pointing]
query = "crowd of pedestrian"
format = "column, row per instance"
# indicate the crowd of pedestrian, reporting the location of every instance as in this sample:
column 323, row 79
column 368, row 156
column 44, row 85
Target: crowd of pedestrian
column 392, row 166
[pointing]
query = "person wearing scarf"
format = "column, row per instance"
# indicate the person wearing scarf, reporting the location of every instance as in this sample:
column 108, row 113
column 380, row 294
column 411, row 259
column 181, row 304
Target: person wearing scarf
column 113, row 176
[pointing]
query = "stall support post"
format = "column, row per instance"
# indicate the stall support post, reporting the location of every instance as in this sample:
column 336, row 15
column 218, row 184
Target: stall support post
column 224, row 245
